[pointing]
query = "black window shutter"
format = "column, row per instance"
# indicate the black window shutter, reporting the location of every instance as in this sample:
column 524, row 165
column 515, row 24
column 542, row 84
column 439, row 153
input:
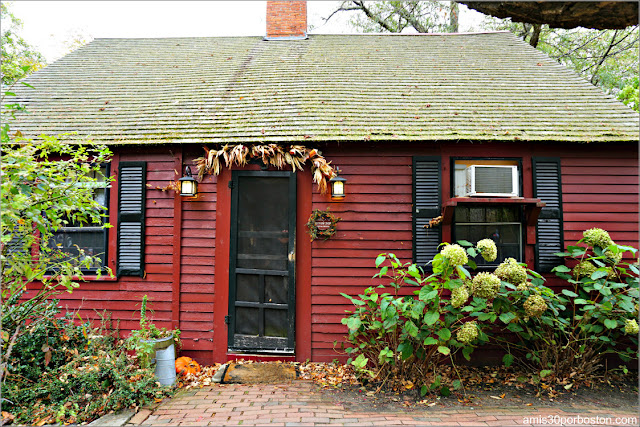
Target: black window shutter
column 426, row 206
column 131, row 204
column 547, row 186
column 16, row 246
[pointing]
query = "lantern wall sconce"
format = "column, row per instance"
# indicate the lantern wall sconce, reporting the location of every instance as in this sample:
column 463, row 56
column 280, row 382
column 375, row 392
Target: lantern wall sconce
column 188, row 185
column 337, row 186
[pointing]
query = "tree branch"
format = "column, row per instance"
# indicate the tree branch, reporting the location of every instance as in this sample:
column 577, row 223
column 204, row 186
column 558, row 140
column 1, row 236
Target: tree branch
column 579, row 47
column 373, row 17
column 611, row 44
column 410, row 18
column 535, row 36
column 342, row 8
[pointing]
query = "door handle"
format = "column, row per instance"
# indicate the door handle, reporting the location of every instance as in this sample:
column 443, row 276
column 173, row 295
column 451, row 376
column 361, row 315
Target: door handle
column 292, row 256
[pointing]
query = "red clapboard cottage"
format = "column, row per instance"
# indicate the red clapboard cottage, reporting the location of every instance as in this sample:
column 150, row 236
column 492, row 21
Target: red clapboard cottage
column 408, row 119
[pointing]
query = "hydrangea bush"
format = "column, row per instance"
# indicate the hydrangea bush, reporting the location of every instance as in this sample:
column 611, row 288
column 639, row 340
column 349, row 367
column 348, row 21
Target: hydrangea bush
column 413, row 322
column 569, row 333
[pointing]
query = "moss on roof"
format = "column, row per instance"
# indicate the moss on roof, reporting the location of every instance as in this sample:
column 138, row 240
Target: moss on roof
column 489, row 86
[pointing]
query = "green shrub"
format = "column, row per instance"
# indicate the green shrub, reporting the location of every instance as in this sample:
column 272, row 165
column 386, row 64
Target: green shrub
column 407, row 336
column 63, row 372
column 590, row 318
column 401, row 333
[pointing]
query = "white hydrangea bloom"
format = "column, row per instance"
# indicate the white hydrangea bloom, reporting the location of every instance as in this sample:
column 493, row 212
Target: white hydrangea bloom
column 512, row 272
column 631, row 327
column 468, row 332
column 487, row 249
column 597, row 237
column 459, row 296
column 485, row 285
column 535, row 305
column 455, row 254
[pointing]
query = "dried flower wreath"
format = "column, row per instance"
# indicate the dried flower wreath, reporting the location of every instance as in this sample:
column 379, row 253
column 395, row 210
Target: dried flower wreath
column 322, row 224
column 270, row 154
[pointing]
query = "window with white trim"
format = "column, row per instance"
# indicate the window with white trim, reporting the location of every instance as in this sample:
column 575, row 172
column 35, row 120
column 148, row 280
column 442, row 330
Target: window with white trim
column 480, row 179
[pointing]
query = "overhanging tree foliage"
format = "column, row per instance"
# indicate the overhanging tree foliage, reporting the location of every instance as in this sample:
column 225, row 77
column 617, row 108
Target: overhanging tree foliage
column 46, row 184
column 607, row 58
column 396, row 16
column 19, row 58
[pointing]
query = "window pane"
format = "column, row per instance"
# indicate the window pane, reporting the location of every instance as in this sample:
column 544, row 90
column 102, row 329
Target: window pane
column 78, row 240
column 74, row 245
column 275, row 323
column 248, row 287
column 502, row 224
column 276, row 289
column 247, row 320
column 462, row 214
column 100, row 196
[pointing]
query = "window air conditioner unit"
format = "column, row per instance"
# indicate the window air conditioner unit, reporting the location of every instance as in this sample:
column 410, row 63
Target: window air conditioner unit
column 492, row 181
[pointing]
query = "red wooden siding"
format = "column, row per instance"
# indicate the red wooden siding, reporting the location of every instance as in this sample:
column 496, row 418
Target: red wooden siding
column 376, row 218
column 197, row 268
column 122, row 297
column 185, row 237
column 600, row 189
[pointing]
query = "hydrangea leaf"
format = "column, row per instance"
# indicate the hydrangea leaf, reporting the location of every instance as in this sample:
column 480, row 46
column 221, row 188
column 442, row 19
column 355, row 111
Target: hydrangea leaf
column 444, row 350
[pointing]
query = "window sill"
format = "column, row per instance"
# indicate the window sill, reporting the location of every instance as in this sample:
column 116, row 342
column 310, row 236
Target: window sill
column 90, row 278
column 532, row 208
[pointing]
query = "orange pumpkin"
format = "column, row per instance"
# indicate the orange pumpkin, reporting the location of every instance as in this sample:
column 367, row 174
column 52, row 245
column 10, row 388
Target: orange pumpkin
column 186, row 365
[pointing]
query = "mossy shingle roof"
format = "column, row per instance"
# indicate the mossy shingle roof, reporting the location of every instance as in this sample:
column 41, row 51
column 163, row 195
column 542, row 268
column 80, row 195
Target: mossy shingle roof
column 489, row 86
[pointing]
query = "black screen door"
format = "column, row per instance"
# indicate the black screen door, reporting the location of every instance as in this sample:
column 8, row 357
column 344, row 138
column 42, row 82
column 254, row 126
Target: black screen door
column 262, row 262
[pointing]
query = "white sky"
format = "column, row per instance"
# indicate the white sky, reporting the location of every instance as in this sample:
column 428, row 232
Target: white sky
column 49, row 25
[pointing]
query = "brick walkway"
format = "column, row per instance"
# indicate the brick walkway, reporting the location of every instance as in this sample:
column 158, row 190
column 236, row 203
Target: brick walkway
column 303, row 403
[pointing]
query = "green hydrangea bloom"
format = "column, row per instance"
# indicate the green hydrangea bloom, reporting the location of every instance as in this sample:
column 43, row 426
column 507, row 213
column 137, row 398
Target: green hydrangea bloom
column 631, row 327
column 485, row 285
column 455, row 254
column 583, row 269
column 510, row 271
column 597, row 237
column 611, row 257
column 468, row 332
column 487, row 249
column 534, row 306
column 523, row 287
column 459, row 296
column 611, row 274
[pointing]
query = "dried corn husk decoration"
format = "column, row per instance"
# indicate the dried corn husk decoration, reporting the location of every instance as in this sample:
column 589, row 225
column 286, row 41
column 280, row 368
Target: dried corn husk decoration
column 270, row 154
column 238, row 155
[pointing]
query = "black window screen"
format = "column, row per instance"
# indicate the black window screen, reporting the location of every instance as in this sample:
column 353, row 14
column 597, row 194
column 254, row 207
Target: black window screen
column 263, row 230
column 502, row 224
column 75, row 241
column 261, row 264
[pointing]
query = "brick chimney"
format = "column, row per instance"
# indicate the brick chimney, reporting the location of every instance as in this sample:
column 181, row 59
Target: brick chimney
column 286, row 20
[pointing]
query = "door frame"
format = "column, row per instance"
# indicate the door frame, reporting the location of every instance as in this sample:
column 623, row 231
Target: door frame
column 291, row 262
column 222, row 217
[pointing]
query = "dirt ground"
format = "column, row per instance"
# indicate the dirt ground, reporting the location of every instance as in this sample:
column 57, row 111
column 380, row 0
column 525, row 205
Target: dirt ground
column 622, row 395
column 483, row 387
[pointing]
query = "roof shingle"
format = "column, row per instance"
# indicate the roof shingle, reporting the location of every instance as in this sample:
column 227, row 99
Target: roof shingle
column 489, row 86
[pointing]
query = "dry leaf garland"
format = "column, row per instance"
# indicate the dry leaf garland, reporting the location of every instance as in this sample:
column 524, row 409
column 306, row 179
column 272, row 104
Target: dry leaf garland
column 433, row 222
column 270, row 154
